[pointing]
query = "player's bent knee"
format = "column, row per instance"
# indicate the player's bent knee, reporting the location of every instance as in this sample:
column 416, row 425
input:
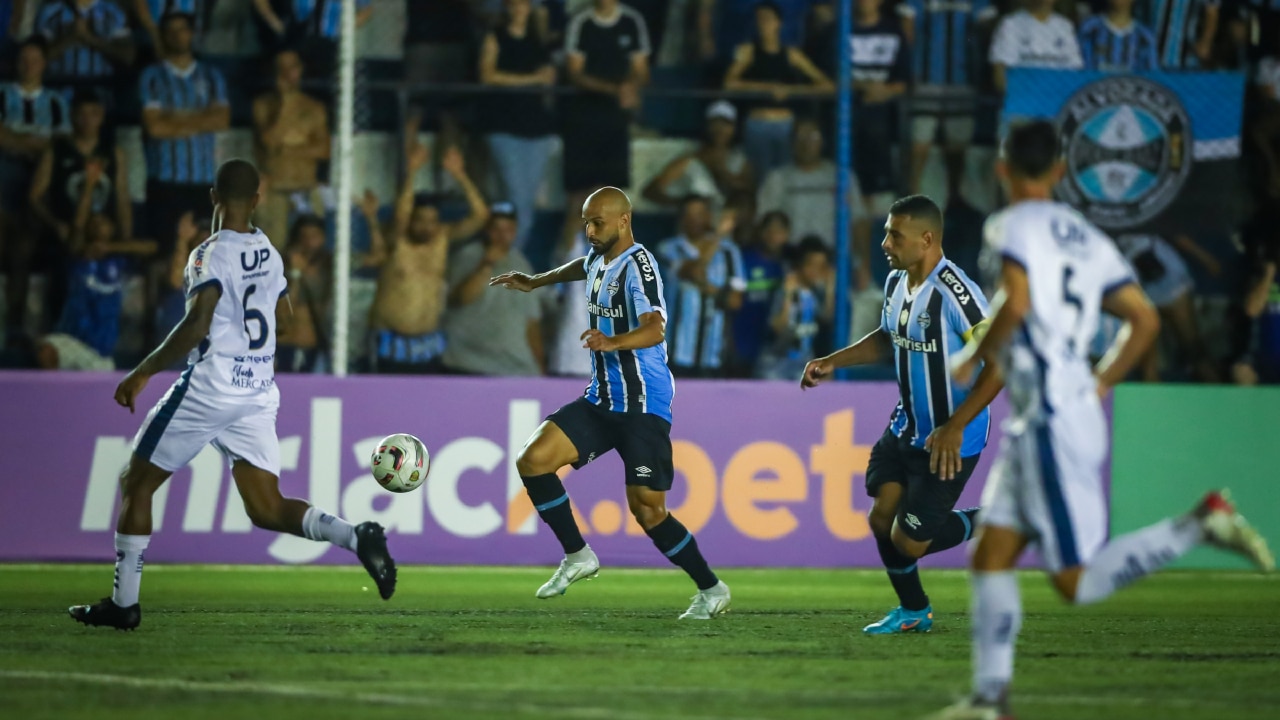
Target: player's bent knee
column 881, row 522
column 908, row 545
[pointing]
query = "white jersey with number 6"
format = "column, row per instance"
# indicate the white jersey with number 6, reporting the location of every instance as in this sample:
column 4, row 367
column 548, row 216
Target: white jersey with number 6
column 1071, row 265
column 1046, row 482
column 227, row 396
column 237, row 358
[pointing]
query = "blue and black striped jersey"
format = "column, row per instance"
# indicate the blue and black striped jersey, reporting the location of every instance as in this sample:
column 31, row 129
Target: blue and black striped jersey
column 927, row 326
column 40, row 112
column 186, row 160
column 1106, row 47
column 105, row 19
column 697, row 329
column 618, row 294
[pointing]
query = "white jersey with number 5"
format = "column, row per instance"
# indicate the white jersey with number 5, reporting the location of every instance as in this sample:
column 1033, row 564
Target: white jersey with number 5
column 1046, row 483
column 1070, row 266
column 237, row 358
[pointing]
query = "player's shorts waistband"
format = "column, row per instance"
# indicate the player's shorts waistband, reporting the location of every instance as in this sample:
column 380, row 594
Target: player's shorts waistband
column 391, row 345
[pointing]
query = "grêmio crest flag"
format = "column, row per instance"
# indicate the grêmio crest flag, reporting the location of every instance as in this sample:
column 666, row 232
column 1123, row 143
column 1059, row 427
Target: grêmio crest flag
column 1152, row 151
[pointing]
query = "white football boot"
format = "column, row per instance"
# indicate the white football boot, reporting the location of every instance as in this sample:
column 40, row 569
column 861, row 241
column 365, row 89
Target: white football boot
column 571, row 571
column 708, row 603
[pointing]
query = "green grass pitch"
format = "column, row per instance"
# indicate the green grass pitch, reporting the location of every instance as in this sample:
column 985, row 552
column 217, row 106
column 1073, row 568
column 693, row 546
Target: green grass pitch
column 308, row 643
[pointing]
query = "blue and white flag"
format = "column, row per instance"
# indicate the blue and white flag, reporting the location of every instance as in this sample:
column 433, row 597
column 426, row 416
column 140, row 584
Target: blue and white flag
column 1155, row 151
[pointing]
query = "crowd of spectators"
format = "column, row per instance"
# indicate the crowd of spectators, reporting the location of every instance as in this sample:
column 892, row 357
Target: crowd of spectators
column 749, row 262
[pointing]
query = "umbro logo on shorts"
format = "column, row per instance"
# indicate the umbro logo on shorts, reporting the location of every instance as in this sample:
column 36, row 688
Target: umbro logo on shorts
column 913, row 521
column 643, row 471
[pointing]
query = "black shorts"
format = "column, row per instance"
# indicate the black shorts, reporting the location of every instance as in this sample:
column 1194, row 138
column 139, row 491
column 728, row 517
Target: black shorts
column 643, row 441
column 927, row 500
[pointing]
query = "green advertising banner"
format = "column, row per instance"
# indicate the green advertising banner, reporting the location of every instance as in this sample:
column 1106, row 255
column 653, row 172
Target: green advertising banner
column 1171, row 443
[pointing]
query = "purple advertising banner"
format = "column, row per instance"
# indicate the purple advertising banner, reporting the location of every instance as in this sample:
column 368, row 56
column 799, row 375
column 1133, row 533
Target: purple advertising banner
column 766, row 475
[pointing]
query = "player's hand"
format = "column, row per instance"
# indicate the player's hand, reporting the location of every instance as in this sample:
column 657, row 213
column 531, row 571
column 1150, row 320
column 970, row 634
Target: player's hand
column 369, row 204
column 129, row 388
column 943, row 445
column 513, row 281
column 597, row 341
column 816, row 372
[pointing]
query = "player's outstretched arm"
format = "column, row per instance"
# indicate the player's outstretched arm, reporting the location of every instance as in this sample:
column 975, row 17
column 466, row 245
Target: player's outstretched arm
column 652, row 331
column 1130, row 304
column 1009, row 307
column 873, row 346
column 193, row 328
column 571, row 271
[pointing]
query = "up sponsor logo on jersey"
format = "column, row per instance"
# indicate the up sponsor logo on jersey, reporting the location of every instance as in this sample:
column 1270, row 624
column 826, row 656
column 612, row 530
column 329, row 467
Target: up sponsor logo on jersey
column 1127, row 149
column 251, row 260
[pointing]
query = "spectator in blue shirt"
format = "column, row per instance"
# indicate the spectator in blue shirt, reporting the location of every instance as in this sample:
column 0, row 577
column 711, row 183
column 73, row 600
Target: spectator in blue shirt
column 309, row 26
column 802, row 312
column 30, row 114
column 184, row 103
column 88, row 39
column 1115, row 42
column 762, row 264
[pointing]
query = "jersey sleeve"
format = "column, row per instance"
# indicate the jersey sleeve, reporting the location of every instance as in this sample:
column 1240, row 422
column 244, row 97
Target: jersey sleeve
column 890, row 285
column 1003, row 47
column 644, row 285
column 587, row 260
column 1005, row 238
column 202, row 270
column 1114, row 271
column 966, row 306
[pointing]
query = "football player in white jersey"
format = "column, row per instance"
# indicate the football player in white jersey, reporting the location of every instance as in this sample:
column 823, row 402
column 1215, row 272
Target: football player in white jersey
column 236, row 302
column 1056, row 273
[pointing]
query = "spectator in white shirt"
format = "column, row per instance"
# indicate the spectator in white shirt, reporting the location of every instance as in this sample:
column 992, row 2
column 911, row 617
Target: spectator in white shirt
column 1035, row 37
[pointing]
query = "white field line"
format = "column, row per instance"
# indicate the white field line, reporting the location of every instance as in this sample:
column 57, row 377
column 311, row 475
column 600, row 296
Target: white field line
column 581, row 712
column 1181, row 575
column 589, row 712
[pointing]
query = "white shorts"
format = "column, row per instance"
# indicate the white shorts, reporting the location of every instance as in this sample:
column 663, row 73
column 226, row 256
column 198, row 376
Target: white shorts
column 183, row 423
column 1046, row 483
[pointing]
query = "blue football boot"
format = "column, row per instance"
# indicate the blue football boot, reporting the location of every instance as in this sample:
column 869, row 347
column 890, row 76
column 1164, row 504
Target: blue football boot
column 900, row 620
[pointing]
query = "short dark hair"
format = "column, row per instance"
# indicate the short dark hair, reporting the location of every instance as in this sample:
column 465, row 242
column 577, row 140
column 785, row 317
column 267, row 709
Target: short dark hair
column 301, row 223
column 692, row 198
column 175, row 15
column 86, row 96
column 919, row 207
column 35, row 41
column 237, row 180
column 1031, row 148
column 808, row 245
column 771, row 6
column 775, row 216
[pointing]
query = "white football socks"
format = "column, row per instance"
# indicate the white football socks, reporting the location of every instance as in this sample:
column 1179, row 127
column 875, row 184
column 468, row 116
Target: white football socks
column 320, row 525
column 1135, row 555
column 997, row 617
column 129, row 550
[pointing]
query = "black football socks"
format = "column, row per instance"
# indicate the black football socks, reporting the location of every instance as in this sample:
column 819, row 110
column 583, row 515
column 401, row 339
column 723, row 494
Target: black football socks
column 903, row 575
column 678, row 544
column 552, row 503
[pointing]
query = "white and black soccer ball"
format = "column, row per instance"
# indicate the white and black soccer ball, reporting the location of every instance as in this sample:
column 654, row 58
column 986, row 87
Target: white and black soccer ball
column 400, row 463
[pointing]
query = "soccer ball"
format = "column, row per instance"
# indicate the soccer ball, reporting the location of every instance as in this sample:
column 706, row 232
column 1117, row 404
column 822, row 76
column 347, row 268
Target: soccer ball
column 400, row 463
